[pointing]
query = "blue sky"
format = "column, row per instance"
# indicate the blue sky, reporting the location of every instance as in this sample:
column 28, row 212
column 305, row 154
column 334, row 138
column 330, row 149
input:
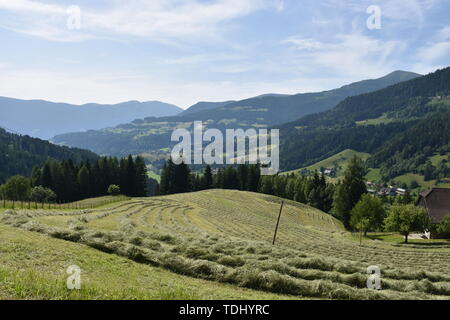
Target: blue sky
column 184, row 51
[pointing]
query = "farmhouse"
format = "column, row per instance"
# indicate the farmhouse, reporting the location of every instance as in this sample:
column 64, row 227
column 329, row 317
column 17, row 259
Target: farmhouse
column 437, row 203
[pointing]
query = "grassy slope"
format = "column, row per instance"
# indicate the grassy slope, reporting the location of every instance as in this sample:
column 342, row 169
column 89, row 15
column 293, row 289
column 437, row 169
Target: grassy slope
column 154, row 175
column 218, row 235
column 340, row 159
column 33, row 266
column 423, row 185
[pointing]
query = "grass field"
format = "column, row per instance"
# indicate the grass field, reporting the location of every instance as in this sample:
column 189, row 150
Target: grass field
column 154, row 175
column 211, row 244
column 33, row 266
column 373, row 175
column 423, row 185
column 339, row 160
column 82, row 204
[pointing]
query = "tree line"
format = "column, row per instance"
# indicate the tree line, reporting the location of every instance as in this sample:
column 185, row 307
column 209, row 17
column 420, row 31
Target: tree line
column 64, row 181
column 314, row 191
column 179, row 178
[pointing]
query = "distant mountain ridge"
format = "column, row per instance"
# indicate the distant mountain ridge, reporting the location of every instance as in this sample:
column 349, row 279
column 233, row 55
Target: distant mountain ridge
column 151, row 136
column 44, row 119
column 275, row 109
column 202, row 106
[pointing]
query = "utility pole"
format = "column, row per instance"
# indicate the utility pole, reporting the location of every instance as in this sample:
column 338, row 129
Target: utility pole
column 278, row 223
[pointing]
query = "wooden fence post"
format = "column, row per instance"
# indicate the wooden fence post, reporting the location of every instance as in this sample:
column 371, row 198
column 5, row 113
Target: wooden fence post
column 278, row 223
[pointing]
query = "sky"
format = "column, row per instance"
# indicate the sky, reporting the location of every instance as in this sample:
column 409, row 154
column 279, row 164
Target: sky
column 185, row 51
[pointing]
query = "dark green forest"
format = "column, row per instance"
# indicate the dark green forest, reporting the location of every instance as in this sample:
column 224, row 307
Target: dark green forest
column 314, row 191
column 410, row 150
column 87, row 180
column 63, row 181
column 19, row 154
column 407, row 123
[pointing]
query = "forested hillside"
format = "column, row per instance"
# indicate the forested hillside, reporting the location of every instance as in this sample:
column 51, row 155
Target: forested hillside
column 412, row 94
column 410, row 150
column 313, row 145
column 19, row 154
column 402, row 126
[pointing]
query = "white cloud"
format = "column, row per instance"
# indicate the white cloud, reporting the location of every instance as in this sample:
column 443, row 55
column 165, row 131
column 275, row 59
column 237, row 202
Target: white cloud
column 202, row 58
column 348, row 54
column 31, row 6
column 301, row 43
column 155, row 20
column 443, row 34
column 434, row 52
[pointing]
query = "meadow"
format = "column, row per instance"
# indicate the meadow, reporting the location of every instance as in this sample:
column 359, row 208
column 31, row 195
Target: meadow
column 224, row 238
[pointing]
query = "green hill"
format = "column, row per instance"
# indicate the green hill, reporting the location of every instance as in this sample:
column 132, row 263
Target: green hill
column 221, row 236
column 401, row 126
column 338, row 161
column 19, row 154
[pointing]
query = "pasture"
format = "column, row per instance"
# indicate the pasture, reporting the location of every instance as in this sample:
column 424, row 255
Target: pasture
column 225, row 238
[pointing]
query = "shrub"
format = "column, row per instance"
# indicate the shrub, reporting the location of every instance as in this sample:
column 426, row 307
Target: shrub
column 114, row 190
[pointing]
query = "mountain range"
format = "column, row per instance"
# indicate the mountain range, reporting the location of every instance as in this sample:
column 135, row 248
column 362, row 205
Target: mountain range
column 152, row 135
column 44, row 119
column 402, row 128
column 275, row 109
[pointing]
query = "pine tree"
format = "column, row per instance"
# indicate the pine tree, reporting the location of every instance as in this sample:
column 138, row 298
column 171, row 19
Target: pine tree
column 46, row 178
column 254, row 175
column 300, row 190
column 243, row 176
column 36, row 177
column 230, row 178
column 267, row 185
column 141, row 182
column 165, row 180
column 208, row 178
column 130, row 177
column 84, row 182
column 350, row 190
column 181, row 178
